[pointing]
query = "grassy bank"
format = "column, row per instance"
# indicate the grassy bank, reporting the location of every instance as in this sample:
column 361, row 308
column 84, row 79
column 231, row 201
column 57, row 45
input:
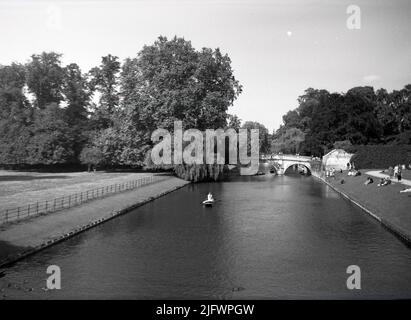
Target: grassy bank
column 18, row 187
column 386, row 202
column 29, row 236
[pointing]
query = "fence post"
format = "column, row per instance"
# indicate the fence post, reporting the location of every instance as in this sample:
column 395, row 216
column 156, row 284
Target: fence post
column 37, row 207
column 18, row 213
column 28, row 210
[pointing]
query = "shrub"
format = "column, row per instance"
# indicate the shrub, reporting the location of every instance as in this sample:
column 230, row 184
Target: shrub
column 91, row 156
column 381, row 156
column 201, row 172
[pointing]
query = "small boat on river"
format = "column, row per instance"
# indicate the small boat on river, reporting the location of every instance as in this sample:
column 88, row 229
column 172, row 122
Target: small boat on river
column 208, row 203
column 210, row 200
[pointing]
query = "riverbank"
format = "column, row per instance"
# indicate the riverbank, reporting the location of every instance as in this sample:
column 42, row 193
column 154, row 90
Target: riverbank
column 29, row 236
column 386, row 204
column 41, row 186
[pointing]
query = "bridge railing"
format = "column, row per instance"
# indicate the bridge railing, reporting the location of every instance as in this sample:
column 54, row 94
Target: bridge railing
column 288, row 157
column 68, row 201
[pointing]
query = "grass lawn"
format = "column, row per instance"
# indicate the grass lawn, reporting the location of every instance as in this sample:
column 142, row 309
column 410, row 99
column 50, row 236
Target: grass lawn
column 406, row 174
column 18, row 188
column 386, row 202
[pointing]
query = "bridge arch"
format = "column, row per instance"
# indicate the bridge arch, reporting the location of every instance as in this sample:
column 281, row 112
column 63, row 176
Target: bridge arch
column 306, row 166
column 272, row 168
column 269, row 167
column 282, row 162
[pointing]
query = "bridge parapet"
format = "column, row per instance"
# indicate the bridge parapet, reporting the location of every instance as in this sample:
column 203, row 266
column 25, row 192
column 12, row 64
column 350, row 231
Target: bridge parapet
column 283, row 161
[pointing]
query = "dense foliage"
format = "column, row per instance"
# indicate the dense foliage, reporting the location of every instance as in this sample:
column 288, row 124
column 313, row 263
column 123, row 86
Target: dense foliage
column 381, row 156
column 52, row 114
column 361, row 116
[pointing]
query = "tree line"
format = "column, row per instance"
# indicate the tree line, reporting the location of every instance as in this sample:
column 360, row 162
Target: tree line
column 361, row 116
column 52, row 114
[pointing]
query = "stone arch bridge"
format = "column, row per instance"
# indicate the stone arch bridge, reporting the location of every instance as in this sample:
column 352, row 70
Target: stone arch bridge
column 281, row 162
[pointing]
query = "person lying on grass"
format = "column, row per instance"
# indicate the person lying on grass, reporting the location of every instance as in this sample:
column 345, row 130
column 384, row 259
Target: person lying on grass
column 354, row 173
column 406, row 190
column 368, row 181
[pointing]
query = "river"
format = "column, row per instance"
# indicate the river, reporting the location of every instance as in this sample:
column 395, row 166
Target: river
column 267, row 237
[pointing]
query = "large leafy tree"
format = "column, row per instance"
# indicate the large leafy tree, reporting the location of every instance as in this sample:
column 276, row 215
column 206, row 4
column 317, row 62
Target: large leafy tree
column 105, row 80
column 233, row 122
column 263, row 135
column 362, row 126
column 289, row 141
column 169, row 81
column 53, row 140
column 77, row 94
column 324, row 118
column 15, row 115
column 45, row 78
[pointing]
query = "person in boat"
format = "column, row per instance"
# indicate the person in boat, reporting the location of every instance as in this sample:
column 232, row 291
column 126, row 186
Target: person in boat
column 210, row 197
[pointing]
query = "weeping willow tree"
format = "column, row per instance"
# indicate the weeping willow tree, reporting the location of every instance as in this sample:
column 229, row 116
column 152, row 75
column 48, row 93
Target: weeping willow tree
column 201, row 172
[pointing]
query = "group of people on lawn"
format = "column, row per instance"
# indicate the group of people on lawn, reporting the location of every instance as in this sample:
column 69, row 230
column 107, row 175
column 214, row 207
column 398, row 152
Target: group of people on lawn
column 396, row 172
column 393, row 172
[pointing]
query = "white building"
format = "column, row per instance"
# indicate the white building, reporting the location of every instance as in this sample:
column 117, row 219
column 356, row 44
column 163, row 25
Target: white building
column 337, row 159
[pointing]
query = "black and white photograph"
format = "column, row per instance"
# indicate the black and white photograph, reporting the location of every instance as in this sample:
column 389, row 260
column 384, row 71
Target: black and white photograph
column 206, row 150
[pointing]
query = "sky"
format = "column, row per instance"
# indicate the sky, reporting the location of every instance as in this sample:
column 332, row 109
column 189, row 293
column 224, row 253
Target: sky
column 278, row 48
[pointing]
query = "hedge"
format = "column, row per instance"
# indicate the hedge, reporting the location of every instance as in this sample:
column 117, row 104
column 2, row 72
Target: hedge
column 381, row 156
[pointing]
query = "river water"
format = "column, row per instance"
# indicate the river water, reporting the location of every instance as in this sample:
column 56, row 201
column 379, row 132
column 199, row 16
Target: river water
column 268, row 237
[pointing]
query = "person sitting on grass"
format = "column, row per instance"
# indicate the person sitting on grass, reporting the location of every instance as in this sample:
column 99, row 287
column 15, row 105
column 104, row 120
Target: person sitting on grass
column 385, row 182
column 354, row 173
column 368, row 181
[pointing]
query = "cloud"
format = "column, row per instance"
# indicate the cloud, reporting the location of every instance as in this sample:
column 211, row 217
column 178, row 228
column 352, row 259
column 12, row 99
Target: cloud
column 371, row 78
